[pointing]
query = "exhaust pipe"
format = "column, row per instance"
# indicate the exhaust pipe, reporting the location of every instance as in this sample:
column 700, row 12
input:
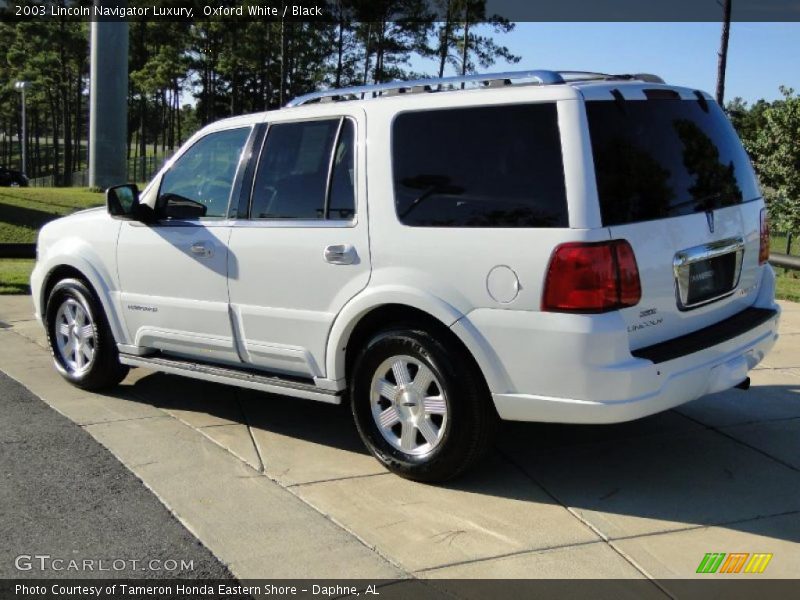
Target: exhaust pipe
column 745, row 385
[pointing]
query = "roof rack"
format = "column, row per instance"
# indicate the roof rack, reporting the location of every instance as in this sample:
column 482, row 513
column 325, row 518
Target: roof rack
column 570, row 76
column 393, row 88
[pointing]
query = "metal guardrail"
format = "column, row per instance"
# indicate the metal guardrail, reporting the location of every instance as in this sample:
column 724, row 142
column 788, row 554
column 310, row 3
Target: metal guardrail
column 784, row 261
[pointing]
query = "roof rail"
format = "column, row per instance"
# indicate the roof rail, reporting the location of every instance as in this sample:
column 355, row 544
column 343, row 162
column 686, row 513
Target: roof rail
column 393, row 88
column 570, row 76
column 363, row 92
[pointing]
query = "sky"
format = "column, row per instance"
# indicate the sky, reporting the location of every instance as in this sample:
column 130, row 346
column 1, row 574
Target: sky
column 762, row 56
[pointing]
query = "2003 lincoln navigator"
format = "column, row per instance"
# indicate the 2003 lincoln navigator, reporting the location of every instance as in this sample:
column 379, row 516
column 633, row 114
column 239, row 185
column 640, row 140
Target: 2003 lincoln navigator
column 533, row 246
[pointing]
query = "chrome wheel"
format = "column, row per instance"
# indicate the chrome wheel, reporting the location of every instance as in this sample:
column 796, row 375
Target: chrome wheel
column 75, row 337
column 408, row 405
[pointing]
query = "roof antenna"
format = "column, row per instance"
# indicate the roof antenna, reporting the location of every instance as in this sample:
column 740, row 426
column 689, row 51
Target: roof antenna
column 701, row 100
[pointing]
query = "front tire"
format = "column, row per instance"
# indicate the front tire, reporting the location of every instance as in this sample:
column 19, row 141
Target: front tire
column 83, row 347
column 420, row 405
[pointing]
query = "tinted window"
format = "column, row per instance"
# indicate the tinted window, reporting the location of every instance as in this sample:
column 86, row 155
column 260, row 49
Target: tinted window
column 479, row 167
column 205, row 172
column 341, row 204
column 662, row 158
column 292, row 177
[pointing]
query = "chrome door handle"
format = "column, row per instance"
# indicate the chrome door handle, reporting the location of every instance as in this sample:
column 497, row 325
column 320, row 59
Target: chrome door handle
column 202, row 250
column 340, row 254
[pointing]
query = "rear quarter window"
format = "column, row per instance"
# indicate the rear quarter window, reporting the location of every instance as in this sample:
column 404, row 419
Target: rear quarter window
column 662, row 158
column 495, row 166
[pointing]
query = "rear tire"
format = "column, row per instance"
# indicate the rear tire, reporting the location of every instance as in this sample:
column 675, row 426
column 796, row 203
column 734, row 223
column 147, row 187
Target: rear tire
column 83, row 347
column 420, row 405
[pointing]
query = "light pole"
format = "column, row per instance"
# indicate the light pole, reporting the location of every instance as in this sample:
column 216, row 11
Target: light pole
column 20, row 87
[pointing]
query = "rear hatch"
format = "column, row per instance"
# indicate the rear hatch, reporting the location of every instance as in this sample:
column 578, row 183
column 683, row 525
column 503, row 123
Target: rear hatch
column 674, row 181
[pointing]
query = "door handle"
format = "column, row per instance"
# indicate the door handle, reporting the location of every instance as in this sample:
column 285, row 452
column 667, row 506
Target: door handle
column 340, row 254
column 202, row 250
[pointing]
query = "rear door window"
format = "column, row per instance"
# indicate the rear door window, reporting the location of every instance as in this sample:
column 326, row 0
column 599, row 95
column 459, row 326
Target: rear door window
column 292, row 177
column 666, row 157
column 492, row 166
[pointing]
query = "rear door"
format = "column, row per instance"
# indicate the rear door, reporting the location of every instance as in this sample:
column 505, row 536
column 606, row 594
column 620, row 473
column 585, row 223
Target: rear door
column 674, row 180
column 304, row 250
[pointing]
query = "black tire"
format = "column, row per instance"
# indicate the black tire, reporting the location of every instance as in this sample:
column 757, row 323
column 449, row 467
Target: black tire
column 104, row 370
column 471, row 418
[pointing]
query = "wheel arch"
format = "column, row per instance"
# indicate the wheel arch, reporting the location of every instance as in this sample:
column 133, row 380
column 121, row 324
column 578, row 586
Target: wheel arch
column 360, row 320
column 78, row 268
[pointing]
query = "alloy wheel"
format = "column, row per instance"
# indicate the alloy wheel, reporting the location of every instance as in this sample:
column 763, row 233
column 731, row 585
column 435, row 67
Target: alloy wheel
column 409, row 405
column 75, row 337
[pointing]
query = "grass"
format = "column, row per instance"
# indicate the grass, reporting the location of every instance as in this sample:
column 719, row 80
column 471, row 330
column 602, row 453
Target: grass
column 787, row 284
column 23, row 211
column 15, row 276
column 777, row 243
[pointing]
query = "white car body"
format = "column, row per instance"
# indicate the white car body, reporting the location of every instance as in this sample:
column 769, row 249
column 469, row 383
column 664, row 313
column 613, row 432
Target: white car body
column 235, row 292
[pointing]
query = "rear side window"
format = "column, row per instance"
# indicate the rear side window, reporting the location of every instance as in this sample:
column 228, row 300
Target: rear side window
column 495, row 166
column 662, row 158
column 306, row 171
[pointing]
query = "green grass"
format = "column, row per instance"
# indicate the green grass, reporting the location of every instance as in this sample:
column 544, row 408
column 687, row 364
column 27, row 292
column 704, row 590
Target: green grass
column 787, row 284
column 23, row 211
column 15, row 276
column 777, row 243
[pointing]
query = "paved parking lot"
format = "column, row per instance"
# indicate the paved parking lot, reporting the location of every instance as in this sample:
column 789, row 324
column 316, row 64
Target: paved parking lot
column 280, row 487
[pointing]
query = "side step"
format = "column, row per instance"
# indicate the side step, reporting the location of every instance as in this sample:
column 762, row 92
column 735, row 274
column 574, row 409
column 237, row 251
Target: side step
column 232, row 376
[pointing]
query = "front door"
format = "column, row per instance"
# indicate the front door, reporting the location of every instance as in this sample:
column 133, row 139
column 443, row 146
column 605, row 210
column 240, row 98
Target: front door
column 173, row 274
column 304, row 251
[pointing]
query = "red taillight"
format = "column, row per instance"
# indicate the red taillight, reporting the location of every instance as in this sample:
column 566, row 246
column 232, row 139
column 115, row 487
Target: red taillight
column 763, row 249
column 592, row 277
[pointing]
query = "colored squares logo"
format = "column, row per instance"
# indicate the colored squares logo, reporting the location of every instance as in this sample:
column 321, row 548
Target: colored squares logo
column 734, row 562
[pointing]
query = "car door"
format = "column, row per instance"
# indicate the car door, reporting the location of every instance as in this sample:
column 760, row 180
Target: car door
column 303, row 251
column 173, row 273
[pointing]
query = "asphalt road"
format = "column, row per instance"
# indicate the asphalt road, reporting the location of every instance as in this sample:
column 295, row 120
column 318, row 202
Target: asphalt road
column 63, row 495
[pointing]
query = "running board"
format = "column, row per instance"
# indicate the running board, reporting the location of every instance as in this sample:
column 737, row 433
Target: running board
column 232, row 376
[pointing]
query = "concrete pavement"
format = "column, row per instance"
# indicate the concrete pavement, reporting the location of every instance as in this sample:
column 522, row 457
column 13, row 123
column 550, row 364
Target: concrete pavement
column 280, row 487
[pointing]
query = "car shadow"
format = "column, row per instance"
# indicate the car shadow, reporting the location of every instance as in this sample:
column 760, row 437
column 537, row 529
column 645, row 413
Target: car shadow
column 25, row 217
column 668, row 471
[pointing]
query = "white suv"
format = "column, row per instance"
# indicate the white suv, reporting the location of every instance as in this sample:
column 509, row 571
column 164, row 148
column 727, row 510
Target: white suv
column 535, row 246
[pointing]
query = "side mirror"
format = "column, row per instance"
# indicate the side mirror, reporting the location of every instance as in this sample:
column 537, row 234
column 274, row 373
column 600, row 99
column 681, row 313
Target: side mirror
column 122, row 201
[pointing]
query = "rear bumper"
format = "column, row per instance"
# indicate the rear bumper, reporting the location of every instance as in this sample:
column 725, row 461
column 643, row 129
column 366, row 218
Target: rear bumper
column 660, row 377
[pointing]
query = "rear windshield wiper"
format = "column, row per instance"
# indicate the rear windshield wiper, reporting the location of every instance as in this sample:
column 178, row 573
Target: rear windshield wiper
column 703, row 203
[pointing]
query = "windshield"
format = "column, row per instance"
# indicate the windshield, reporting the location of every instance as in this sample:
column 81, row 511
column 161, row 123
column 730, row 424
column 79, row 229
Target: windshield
column 666, row 157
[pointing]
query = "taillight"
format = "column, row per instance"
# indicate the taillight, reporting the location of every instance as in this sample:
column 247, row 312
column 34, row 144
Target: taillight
column 763, row 249
column 592, row 277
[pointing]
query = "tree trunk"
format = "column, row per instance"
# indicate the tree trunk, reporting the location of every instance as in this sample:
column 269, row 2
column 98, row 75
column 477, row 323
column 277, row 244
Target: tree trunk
column 65, row 106
column 56, row 148
column 37, row 170
column 284, row 51
column 465, row 49
column 444, row 41
column 722, row 63
column 78, row 117
column 339, row 50
column 367, row 50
